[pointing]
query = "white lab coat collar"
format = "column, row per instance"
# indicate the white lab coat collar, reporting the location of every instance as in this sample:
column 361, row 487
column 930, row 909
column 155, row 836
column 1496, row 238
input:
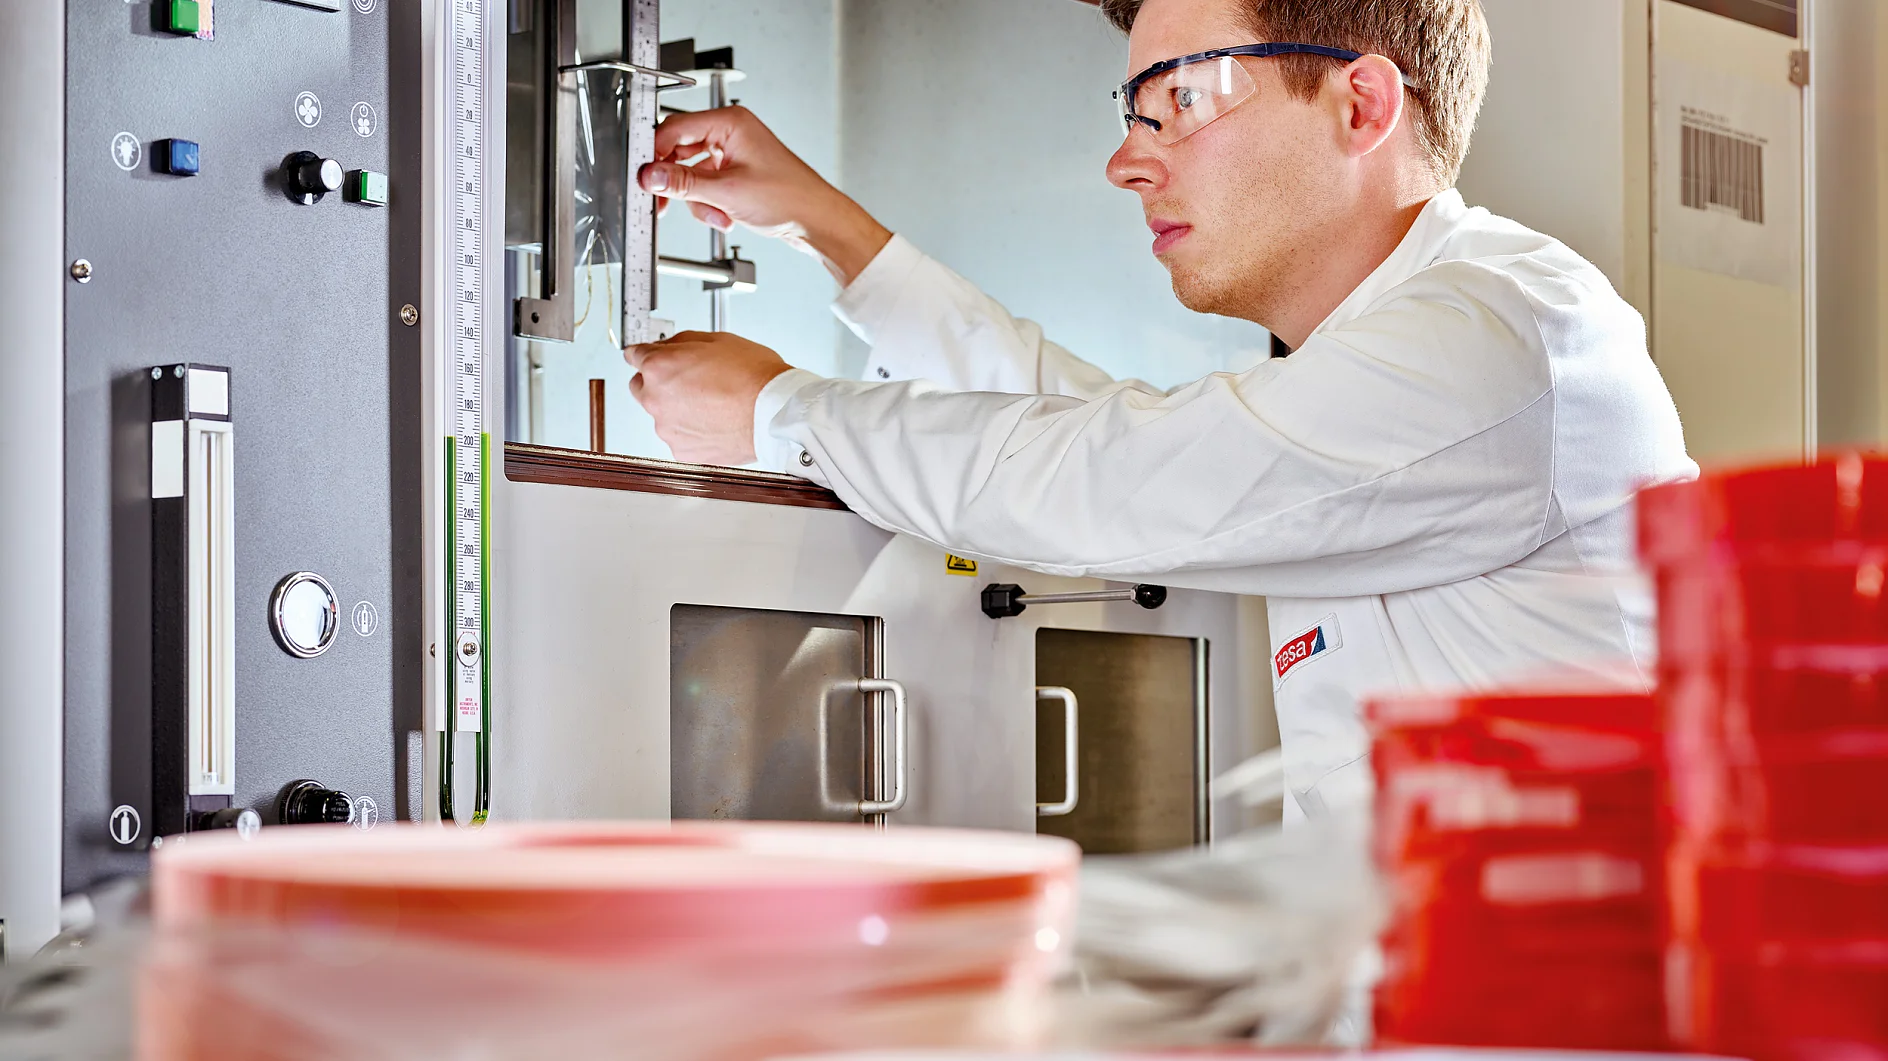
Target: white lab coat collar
column 1421, row 245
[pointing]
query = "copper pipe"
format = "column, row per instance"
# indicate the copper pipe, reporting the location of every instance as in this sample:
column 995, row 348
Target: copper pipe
column 597, row 432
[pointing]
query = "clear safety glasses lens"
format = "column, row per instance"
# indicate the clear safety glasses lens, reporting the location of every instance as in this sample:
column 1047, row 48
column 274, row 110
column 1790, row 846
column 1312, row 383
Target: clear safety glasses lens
column 1177, row 103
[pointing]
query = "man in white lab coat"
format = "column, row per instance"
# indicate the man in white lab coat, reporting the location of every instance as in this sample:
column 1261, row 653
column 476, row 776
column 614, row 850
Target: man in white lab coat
column 1431, row 490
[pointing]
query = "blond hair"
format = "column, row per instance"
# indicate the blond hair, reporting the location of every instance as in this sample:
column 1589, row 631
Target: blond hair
column 1442, row 45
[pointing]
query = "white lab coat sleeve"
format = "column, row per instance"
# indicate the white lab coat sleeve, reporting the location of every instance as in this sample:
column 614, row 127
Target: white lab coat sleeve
column 1411, row 447
column 924, row 321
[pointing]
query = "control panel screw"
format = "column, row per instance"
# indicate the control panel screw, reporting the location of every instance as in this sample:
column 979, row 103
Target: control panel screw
column 82, row 271
column 409, row 315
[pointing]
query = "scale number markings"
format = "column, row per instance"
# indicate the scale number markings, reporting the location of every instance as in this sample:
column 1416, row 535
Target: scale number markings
column 466, row 328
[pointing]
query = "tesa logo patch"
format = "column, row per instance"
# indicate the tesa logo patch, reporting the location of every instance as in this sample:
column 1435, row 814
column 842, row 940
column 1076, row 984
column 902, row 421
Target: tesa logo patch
column 1307, row 646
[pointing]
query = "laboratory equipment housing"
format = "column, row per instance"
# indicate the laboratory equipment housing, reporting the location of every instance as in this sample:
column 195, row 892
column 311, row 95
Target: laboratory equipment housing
column 289, row 536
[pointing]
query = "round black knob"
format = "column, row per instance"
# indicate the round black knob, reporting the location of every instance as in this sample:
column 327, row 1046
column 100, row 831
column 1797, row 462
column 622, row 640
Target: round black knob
column 1150, row 596
column 307, row 803
column 310, row 176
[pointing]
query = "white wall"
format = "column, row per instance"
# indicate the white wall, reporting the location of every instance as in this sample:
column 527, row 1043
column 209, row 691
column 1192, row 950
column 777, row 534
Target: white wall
column 1846, row 72
column 32, row 456
column 788, row 50
column 1550, row 149
column 980, row 130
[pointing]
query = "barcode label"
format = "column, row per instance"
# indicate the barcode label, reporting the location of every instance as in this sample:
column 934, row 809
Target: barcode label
column 1721, row 170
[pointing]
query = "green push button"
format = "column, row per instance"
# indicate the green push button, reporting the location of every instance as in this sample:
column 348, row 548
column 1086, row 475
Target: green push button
column 181, row 16
column 366, row 186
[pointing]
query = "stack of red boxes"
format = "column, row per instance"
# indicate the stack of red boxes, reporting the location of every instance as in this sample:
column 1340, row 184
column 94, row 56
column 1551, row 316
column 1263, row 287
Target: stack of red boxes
column 1520, row 837
column 1773, row 633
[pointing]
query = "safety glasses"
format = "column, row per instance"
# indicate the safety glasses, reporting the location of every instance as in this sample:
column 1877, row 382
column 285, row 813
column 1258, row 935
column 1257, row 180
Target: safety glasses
column 1179, row 97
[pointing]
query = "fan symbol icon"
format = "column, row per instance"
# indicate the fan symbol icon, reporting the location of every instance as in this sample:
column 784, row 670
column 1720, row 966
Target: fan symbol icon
column 363, row 118
column 308, row 110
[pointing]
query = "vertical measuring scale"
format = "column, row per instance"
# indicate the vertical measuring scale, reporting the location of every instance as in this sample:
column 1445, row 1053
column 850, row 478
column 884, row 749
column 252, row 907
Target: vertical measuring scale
column 468, row 450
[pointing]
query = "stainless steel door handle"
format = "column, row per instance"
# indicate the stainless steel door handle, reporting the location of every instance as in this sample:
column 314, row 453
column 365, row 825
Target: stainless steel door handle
column 900, row 749
column 1071, row 785
column 901, row 746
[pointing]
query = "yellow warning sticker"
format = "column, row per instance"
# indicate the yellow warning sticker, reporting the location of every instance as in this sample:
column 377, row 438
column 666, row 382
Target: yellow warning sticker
column 957, row 565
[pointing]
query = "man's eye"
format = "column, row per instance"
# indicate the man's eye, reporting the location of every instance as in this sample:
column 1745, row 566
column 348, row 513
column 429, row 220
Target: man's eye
column 1186, row 97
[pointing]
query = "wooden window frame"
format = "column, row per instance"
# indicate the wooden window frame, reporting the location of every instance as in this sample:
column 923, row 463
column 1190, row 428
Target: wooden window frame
column 552, row 466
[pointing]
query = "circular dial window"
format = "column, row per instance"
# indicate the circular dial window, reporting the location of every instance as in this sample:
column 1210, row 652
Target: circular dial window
column 304, row 614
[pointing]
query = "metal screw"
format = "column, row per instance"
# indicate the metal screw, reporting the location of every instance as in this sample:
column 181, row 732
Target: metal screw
column 157, row 373
column 468, row 650
column 178, row 372
column 82, row 271
column 433, row 650
column 806, row 459
column 409, row 315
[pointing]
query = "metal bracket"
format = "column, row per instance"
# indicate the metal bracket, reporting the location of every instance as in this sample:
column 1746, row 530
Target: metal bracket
column 1004, row 600
column 1799, row 68
column 664, row 78
column 733, row 271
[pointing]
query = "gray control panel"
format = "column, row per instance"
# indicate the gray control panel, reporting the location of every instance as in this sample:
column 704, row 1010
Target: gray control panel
column 243, row 213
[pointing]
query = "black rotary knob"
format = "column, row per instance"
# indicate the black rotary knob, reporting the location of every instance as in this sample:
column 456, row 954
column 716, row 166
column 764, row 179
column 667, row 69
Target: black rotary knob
column 241, row 819
column 307, row 803
column 310, row 176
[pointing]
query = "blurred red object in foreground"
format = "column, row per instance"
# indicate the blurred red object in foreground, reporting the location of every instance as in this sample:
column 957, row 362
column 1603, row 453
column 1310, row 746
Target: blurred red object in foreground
column 685, row 942
column 1774, row 695
column 1519, row 836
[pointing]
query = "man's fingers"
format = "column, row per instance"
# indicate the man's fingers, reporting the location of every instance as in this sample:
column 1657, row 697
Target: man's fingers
column 712, row 216
column 672, row 180
column 700, row 127
column 635, row 354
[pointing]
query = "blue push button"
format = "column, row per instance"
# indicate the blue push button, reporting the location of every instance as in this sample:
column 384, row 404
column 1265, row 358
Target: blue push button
column 179, row 157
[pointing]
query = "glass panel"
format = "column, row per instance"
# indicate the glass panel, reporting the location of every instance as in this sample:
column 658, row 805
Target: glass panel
column 547, row 383
column 891, row 101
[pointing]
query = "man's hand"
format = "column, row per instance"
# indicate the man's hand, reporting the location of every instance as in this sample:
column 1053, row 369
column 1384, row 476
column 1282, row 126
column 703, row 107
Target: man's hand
column 700, row 387
column 746, row 174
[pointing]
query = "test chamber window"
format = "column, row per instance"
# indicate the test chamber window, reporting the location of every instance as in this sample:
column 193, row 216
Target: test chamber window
column 782, row 61
column 855, row 91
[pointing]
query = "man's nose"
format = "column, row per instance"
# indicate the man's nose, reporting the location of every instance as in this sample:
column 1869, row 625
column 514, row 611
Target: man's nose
column 1137, row 165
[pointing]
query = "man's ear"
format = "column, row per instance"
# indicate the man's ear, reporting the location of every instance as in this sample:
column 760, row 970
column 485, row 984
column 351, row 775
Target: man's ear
column 1371, row 94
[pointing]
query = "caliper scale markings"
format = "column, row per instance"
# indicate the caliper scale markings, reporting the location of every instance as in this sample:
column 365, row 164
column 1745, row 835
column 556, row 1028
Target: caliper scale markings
column 467, row 456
